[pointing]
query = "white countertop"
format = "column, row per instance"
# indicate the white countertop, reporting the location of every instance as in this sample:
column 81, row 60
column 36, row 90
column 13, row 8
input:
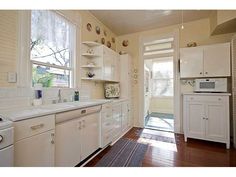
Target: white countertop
column 210, row 94
column 22, row 113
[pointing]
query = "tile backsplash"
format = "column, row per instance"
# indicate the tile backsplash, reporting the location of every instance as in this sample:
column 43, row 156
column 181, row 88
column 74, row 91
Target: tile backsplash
column 15, row 97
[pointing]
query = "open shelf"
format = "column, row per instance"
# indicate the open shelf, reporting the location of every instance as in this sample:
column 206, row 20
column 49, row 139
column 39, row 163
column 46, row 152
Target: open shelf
column 90, row 55
column 90, row 66
column 91, row 43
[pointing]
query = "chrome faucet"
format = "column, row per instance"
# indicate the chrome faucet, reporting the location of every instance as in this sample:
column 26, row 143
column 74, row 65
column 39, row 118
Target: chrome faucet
column 59, row 96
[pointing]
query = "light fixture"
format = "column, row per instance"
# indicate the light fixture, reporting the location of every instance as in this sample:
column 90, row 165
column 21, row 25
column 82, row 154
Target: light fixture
column 182, row 15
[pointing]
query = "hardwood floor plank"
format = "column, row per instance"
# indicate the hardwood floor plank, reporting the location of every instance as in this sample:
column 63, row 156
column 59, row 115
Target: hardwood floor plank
column 194, row 153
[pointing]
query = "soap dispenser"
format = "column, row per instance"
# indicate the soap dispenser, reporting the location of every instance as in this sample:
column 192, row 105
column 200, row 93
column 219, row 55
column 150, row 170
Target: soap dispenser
column 37, row 95
column 76, row 96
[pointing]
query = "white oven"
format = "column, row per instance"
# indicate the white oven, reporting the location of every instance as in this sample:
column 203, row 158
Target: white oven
column 6, row 143
column 211, row 85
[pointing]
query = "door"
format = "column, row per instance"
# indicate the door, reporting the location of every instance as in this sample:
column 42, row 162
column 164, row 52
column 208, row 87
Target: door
column 216, row 121
column 217, row 60
column 195, row 114
column 191, row 62
column 68, row 143
column 35, row 151
column 89, row 134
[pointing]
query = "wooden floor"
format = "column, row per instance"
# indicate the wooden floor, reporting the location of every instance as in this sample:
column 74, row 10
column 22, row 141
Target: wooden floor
column 169, row 150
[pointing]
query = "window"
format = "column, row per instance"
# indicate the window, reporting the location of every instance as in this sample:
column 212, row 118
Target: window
column 162, row 84
column 51, row 49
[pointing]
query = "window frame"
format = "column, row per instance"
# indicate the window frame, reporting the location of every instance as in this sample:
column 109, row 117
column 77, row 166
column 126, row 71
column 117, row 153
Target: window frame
column 24, row 66
column 72, row 45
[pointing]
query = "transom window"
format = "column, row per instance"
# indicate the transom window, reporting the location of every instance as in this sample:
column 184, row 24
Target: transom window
column 51, row 49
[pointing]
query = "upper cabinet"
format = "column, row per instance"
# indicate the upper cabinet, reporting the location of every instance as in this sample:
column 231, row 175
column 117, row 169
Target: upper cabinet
column 98, row 62
column 205, row 61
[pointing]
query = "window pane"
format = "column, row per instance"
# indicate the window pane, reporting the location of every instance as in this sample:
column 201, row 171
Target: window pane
column 50, row 38
column 159, row 52
column 159, row 41
column 158, row 46
column 50, row 77
column 162, row 87
column 162, row 69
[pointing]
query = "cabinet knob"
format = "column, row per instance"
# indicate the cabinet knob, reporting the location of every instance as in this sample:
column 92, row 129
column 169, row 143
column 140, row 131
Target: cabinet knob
column 206, row 72
column 203, row 118
column 200, row 72
column 219, row 99
column 52, row 136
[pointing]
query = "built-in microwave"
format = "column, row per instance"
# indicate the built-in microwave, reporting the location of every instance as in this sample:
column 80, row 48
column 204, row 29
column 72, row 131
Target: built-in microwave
column 211, row 85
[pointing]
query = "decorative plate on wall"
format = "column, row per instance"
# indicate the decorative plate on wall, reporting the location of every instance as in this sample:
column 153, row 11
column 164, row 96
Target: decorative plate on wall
column 108, row 44
column 103, row 40
column 113, row 40
column 98, row 30
column 89, row 27
column 125, row 43
column 105, row 33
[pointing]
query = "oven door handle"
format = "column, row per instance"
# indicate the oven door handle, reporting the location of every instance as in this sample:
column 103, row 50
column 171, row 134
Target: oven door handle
column 1, row 138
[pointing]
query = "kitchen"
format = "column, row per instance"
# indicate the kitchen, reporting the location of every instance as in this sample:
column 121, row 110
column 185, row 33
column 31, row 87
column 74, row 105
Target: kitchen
column 72, row 88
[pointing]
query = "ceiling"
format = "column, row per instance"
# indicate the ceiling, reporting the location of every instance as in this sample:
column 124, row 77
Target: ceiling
column 130, row 21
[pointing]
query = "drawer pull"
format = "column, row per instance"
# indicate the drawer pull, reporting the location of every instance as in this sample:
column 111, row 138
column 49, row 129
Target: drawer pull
column 219, row 99
column 83, row 111
column 35, row 127
column 1, row 138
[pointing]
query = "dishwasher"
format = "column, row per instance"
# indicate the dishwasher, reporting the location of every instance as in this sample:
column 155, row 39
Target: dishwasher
column 77, row 135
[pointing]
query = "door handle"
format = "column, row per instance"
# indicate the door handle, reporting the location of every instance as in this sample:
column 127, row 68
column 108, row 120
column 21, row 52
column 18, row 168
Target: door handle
column 52, row 136
column 1, row 138
column 83, row 111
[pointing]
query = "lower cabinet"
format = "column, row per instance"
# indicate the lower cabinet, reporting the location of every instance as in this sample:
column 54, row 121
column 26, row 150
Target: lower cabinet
column 76, row 139
column 34, row 143
column 207, row 117
column 115, row 120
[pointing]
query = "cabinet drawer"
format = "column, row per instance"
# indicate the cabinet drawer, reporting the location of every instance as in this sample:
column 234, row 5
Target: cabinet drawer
column 61, row 117
column 205, row 98
column 30, row 127
column 106, row 115
column 107, row 125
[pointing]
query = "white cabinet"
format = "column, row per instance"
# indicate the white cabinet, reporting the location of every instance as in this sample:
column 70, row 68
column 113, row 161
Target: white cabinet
column 115, row 121
column 77, row 135
column 207, row 117
column 99, row 60
column 68, row 143
column 217, row 60
column 35, row 151
column 89, row 134
column 34, row 142
column 205, row 61
column 191, row 62
column 117, row 118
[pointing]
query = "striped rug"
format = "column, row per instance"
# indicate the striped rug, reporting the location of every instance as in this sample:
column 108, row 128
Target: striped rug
column 124, row 153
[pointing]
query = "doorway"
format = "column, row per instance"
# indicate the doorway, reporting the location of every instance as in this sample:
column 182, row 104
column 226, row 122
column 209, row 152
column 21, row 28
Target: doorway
column 160, row 83
column 159, row 94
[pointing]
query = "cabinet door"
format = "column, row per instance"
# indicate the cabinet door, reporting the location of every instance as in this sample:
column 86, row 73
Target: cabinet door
column 35, row 151
column 195, row 125
column 217, row 60
column 191, row 62
column 216, row 121
column 125, row 116
column 107, row 64
column 116, row 115
column 68, row 143
column 89, row 134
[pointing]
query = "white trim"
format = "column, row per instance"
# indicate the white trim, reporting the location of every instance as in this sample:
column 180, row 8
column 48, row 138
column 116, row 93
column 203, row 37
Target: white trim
column 23, row 62
column 177, row 95
column 51, row 65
